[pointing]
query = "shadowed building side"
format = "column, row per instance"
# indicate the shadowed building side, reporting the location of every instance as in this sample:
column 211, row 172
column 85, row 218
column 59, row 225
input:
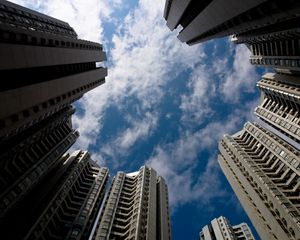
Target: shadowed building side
column 46, row 67
column 205, row 20
column 28, row 157
column 64, row 205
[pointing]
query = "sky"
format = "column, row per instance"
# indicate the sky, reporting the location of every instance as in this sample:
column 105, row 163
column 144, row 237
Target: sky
column 164, row 104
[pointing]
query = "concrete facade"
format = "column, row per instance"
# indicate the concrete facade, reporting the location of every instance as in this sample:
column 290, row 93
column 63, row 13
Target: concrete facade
column 48, row 67
column 27, row 158
column 136, row 208
column 71, row 211
column 264, row 172
column 62, row 206
column 280, row 103
column 221, row 229
column 205, row 20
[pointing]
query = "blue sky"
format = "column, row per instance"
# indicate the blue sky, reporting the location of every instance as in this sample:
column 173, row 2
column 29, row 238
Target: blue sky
column 164, row 104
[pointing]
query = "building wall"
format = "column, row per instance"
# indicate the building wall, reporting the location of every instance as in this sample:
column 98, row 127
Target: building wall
column 221, row 229
column 46, row 67
column 73, row 201
column 263, row 171
column 132, row 208
column 26, row 159
column 205, row 20
column 163, row 212
column 280, row 104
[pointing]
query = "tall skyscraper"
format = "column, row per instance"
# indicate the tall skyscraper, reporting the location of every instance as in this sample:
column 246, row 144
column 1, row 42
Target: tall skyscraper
column 28, row 157
column 274, row 46
column 264, row 172
column 44, row 67
column 221, row 229
column 62, row 206
column 280, row 103
column 208, row 19
column 136, row 208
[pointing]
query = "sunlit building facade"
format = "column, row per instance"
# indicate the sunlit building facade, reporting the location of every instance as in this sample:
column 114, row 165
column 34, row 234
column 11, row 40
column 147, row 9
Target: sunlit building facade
column 221, row 229
column 280, row 103
column 264, row 172
column 136, row 208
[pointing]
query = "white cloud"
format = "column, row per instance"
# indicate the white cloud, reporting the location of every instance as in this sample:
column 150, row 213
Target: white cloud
column 125, row 140
column 195, row 106
column 177, row 162
column 242, row 78
column 139, row 130
column 145, row 57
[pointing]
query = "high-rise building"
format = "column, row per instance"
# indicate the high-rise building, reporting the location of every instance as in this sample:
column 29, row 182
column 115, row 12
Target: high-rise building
column 221, row 229
column 44, row 67
column 242, row 232
column 28, row 157
column 280, row 103
column 136, row 208
column 264, row 172
column 274, row 46
column 208, row 19
column 62, row 206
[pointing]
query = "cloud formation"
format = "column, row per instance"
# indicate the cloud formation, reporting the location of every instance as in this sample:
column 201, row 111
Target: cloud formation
column 178, row 162
column 121, row 145
column 195, row 104
column 242, row 78
column 145, row 57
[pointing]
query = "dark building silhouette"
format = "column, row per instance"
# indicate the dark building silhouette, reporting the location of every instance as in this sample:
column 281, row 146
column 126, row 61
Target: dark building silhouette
column 208, row 19
column 44, row 67
column 28, row 157
column 62, row 206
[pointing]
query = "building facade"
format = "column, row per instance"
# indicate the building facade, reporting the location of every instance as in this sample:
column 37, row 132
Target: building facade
column 280, row 103
column 221, row 229
column 280, row 50
column 205, row 20
column 45, row 67
column 136, row 208
column 28, row 157
column 62, row 206
column 264, row 172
